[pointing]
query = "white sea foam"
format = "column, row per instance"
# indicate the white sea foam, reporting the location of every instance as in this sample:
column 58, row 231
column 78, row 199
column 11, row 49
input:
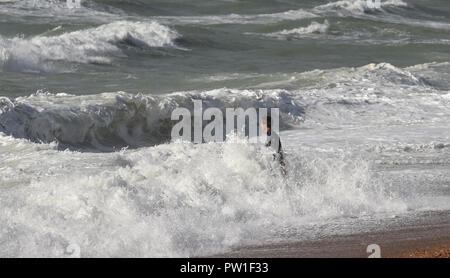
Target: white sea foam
column 364, row 9
column 358, row 6
column 56, row 10
column 183, row 199
column 94, row 45
column 115, row 119
column 238, row 18
column 313, row 28
column 171, row 200
column 369, row 95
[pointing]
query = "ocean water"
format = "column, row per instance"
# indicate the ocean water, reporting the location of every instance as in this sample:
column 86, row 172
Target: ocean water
column 86, row 95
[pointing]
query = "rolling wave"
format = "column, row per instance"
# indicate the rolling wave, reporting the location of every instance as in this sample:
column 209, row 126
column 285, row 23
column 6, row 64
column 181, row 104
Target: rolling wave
column 238, row 18
column 313, row 28
column 113, row 120
column 94, row 45
column 367, row 10
column 358, row 6
column 374, row 94
column 58, row 10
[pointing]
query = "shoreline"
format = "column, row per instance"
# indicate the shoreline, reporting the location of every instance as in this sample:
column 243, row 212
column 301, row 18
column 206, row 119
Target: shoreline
column 430, row 238
column 442, row 252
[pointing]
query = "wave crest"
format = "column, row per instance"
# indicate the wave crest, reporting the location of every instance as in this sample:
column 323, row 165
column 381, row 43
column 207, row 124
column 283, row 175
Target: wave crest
column 359, row 6
column 94, row 45
column 313, row 28
column 113, row 120
column 372, row 94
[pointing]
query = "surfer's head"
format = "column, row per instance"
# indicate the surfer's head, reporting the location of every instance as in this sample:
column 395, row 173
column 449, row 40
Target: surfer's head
column 266, row 124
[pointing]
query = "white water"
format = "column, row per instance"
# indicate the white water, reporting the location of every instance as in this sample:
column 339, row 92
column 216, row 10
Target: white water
column 239, row 18
column 372, row 95
column 170, row 200
column 359, row 6
column 362, row 9
column 369, row 142
column 313, row 28
column 94, row 45
column 48, row 10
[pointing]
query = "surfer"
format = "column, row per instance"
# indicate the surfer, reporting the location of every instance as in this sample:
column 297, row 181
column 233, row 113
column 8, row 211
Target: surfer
column 273, row 141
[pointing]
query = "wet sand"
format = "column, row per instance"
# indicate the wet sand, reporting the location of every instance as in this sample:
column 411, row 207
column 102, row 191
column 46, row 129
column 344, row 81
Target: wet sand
column 443, row 252
column 430, row 237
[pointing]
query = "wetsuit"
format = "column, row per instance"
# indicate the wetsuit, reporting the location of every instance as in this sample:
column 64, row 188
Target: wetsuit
column 273, row 137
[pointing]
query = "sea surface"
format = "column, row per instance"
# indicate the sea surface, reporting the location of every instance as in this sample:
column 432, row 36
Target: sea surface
column 87, row 92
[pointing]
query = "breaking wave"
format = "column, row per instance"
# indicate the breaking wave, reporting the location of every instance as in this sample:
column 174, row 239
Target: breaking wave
column 359, row 6
column 172, row 200
column 60, row 10
column 313, row 28
column 94, row 45
column 120, row 119
column 238, row 18
column 372, row 94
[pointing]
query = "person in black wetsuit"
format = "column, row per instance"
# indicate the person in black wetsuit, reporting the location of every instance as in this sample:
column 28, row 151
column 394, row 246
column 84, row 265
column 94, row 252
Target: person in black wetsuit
column 273, row 141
